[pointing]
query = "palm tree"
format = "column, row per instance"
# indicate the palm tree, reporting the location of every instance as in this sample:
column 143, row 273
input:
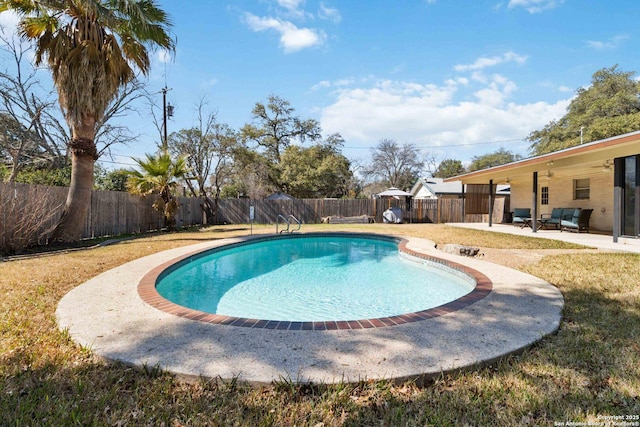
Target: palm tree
column 92, row 48
column 159, row 175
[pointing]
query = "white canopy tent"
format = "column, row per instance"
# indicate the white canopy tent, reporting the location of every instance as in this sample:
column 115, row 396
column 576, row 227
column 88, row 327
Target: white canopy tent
column 394, row 192
column 394, row 214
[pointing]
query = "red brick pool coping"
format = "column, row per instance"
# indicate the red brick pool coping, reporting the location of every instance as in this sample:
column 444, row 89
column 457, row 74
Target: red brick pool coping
column 149, row 294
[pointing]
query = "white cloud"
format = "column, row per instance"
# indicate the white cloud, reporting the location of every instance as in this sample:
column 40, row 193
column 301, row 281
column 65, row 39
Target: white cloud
column 485, row 62
column 321, row 85
column 292, row 9
column 286, row 21
column 9, row 20
column 326, row 84
column 329, row 13
column 552, row 86
column 9, row 26
column 496, row 92
column 209, row 83
column 612, row 43
column 535, row 6
column 292, row 38
column 430, row 115
column 462, row 81
column 164, row 56
column 290, row 4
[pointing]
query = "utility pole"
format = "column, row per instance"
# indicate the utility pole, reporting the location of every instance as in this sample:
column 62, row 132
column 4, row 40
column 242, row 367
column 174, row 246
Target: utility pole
column 167, row 112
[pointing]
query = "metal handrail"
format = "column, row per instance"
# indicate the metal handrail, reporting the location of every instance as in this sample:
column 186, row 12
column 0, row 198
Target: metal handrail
column 296, row 220
column 285, row 220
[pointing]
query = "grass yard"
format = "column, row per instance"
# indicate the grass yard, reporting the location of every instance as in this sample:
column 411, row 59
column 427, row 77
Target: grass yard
column 590, row 369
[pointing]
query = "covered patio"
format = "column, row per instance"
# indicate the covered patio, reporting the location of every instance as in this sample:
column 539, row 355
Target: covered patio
column 602, row 175
column 592, row 240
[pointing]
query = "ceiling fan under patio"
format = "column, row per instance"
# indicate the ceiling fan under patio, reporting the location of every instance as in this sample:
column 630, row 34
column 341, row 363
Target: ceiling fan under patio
column 606, row 166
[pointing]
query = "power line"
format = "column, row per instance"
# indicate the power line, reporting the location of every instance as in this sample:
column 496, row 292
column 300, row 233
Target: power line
column 449, row 145
column 117, row 163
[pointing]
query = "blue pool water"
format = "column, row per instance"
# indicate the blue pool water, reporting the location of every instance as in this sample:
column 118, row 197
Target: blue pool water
column 311, row 279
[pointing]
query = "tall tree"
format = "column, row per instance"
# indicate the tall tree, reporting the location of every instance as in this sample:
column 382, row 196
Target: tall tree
column 209, row 149
column 609, row 107
column 273, row 129
column 394, row 164
column 115, row 180
column 448, row 168
column 89, row 46
column 497, row 158
column 317, row 171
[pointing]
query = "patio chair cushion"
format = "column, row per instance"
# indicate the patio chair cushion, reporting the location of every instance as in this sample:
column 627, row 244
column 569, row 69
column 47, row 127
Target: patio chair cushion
column 556, row 214
column 553, row 219
column 567, row 214
column 579, row 220
column 519, row 214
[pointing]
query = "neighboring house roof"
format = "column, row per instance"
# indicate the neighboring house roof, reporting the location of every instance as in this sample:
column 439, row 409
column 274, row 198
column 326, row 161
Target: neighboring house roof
column 434, row 187
column 578, row 160
column 278, row 195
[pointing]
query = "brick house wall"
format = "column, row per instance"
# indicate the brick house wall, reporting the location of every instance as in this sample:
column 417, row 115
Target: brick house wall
column 561, row 196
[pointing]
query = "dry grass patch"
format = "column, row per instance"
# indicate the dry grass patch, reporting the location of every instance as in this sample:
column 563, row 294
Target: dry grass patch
column 442, row 234
column 590, row 367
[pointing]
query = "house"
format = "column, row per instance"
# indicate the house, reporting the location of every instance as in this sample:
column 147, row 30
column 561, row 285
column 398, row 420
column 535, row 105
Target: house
column 437, row 188
column 602, row 175
column 429, row 190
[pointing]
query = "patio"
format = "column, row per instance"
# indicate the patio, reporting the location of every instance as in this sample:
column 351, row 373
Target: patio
column 600, row 241
column 601, row 175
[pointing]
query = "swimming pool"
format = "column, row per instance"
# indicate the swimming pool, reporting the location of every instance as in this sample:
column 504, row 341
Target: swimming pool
column 312, row 278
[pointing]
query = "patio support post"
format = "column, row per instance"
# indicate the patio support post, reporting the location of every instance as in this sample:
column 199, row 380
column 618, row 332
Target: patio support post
column 637, row 197
column 534, row 209
column 618, row 194
column 491, row 202
column 464, row 202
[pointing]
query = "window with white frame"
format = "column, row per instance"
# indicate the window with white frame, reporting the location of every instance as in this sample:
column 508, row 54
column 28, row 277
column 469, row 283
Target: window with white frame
column 544, row 195
column 581, row 189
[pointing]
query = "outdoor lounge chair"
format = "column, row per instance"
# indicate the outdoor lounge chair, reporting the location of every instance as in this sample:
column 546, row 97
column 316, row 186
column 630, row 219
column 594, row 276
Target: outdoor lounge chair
column 553, row 219
column 579, row 221
column 519, row 216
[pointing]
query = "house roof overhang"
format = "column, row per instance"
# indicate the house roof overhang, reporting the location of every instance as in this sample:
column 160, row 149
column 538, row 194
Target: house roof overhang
column 585, row 159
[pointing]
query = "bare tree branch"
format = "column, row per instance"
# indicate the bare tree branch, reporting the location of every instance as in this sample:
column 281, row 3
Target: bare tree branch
column 123, row 105
column 209, row 149
column 395, row 165
column 26, row 103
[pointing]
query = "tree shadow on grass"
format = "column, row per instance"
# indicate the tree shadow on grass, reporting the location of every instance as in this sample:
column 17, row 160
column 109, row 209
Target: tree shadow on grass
column 94, row 393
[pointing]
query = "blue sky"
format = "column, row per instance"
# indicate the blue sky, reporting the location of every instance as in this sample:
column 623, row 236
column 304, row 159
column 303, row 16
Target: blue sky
column 456, row 78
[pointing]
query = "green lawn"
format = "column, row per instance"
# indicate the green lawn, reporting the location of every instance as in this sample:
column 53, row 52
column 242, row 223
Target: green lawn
column 589, row 369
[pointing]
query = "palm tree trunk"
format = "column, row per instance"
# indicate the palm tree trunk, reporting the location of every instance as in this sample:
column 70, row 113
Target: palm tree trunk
column 70, row 228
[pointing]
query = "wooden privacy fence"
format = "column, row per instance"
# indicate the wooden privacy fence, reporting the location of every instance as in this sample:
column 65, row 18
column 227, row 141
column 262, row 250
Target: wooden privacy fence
column 28, row 214
column 311, row 211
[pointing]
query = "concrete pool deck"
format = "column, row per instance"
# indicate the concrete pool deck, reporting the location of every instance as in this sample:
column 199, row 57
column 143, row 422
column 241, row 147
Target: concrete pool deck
column 107, row 315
